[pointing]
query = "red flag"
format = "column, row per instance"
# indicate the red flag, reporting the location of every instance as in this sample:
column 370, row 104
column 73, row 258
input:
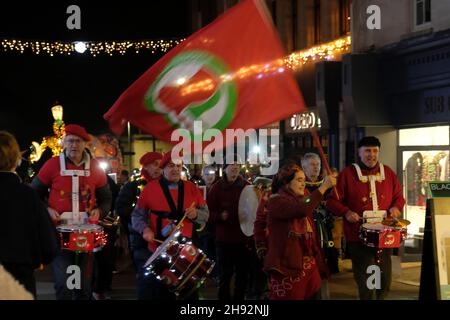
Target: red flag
column 229, row 75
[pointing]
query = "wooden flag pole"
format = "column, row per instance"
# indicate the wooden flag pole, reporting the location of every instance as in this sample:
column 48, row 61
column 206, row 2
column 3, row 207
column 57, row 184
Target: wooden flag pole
column 322, row 156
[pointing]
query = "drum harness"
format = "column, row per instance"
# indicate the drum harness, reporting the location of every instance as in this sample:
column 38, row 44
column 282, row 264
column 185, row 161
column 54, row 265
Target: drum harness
column 373, row 194
column 372, row 179
column 175, row 212
column 75, row 174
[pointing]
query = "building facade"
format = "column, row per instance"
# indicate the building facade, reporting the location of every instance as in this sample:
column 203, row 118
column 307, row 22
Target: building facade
column 396, row 84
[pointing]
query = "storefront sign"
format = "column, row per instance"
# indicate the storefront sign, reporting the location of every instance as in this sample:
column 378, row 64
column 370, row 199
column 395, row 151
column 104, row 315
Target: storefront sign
column 304, row 121
column 436, row 104
column 424, row 107
column 439, row 189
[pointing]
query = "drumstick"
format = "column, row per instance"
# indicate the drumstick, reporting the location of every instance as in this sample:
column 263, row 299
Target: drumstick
column 159, row 241
column 185, row 216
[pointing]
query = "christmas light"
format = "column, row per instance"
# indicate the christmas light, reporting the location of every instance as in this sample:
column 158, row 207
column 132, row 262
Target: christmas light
column 326, row 51
column 93, row 48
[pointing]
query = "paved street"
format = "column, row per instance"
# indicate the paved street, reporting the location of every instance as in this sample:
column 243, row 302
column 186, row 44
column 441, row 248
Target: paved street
column 405, row 284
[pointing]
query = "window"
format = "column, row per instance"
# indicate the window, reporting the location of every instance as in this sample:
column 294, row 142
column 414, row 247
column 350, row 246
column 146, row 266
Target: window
column 344, row 17
column 316, row 7
column 426, row 136
column 423, row 11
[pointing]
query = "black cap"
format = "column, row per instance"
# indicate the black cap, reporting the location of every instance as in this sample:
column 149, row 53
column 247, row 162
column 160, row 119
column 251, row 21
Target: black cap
column 369, row 142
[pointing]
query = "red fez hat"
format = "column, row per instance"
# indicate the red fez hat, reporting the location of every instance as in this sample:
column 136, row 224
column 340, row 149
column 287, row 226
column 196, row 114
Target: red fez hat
column 149, row 157
column 166, row 159
column 77, row 130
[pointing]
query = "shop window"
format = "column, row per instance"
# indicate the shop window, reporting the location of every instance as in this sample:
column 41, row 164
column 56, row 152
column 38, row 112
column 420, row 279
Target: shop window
column 419, row 168
column 427, row 136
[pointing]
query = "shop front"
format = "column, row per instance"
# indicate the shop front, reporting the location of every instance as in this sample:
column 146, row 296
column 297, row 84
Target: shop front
column 423, row 156
column 417, row 91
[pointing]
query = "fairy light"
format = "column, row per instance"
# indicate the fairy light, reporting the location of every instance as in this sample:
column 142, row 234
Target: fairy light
column 93, row 48
column 327, row 51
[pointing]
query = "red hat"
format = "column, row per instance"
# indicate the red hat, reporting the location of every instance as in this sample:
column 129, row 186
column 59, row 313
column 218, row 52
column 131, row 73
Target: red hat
column 77, row 130
column 149, row 157
column 166, row 159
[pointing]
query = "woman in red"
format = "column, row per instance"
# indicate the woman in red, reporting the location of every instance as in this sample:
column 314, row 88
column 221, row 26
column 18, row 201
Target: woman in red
column 294, row 261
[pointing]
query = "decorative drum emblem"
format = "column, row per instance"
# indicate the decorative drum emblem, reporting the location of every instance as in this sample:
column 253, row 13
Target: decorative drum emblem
column 389, row 239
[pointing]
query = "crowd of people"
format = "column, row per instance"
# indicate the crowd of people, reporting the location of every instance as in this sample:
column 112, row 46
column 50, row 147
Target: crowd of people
column 306, row 220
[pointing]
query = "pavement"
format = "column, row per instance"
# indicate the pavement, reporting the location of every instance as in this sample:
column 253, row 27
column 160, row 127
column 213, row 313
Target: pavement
column 405, row 283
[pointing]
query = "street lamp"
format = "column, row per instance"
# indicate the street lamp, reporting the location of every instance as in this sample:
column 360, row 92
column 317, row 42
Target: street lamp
column 57, row 112
column 52, row 142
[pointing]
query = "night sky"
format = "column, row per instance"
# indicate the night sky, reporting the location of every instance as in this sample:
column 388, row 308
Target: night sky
column 85, row 86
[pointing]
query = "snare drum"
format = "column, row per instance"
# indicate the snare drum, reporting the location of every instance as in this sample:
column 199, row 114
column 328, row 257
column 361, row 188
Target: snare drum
column 180, row 265
column 378, row 235
column 84, row 237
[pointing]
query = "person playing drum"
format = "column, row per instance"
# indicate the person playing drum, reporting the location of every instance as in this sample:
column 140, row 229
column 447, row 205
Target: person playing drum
column 367, row 188
column 78, row 187
column 162, row 205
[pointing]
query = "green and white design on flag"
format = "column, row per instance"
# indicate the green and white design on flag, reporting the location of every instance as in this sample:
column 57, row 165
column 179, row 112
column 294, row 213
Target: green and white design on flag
column 215, row 112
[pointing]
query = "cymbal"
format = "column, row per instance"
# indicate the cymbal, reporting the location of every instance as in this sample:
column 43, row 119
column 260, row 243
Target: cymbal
column 404, row 222
column 388, row 222
column 395, row 222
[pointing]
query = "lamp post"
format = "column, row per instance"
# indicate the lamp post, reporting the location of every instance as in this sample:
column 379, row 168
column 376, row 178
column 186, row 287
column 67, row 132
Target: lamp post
column 52, row 142
column 58, row 126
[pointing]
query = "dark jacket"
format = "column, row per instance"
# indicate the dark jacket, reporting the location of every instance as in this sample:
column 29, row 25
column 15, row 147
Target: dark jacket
column 27, row 236
column 285, row 251
column 127, row 199
column 224, row 196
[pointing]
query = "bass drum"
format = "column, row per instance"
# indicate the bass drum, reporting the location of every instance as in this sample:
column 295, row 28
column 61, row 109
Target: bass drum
column 248, row 204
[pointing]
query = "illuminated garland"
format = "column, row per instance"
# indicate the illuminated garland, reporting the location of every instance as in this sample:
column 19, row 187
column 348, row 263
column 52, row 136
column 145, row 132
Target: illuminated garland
column 53, row 48
column 326, row 51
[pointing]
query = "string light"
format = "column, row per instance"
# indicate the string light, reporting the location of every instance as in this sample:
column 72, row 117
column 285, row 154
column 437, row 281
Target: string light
column 93, row 48
column 326, row 51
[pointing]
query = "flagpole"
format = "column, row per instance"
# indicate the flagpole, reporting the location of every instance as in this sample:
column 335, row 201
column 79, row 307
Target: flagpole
column 322, row 156
column 130, row 166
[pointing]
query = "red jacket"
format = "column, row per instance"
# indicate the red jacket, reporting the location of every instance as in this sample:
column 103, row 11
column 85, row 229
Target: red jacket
column 354, row 196
column 224, row 196
column 152, row 198
column 260, row 229
column 285, row 251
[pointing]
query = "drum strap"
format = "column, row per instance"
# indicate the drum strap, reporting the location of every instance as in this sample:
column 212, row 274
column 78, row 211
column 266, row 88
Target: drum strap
column 372, row 179
column 75, row 174
column 175, row 212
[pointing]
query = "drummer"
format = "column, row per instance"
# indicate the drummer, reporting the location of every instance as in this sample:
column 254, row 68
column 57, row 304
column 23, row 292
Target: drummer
column 231, row 243
column 92, row 196
column 162, row 205
column 355, row 189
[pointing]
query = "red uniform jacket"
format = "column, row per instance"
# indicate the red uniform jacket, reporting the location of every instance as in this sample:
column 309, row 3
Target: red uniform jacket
column 152, row 198
column 354, row 196
column 285, row 251
column 60, row 197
